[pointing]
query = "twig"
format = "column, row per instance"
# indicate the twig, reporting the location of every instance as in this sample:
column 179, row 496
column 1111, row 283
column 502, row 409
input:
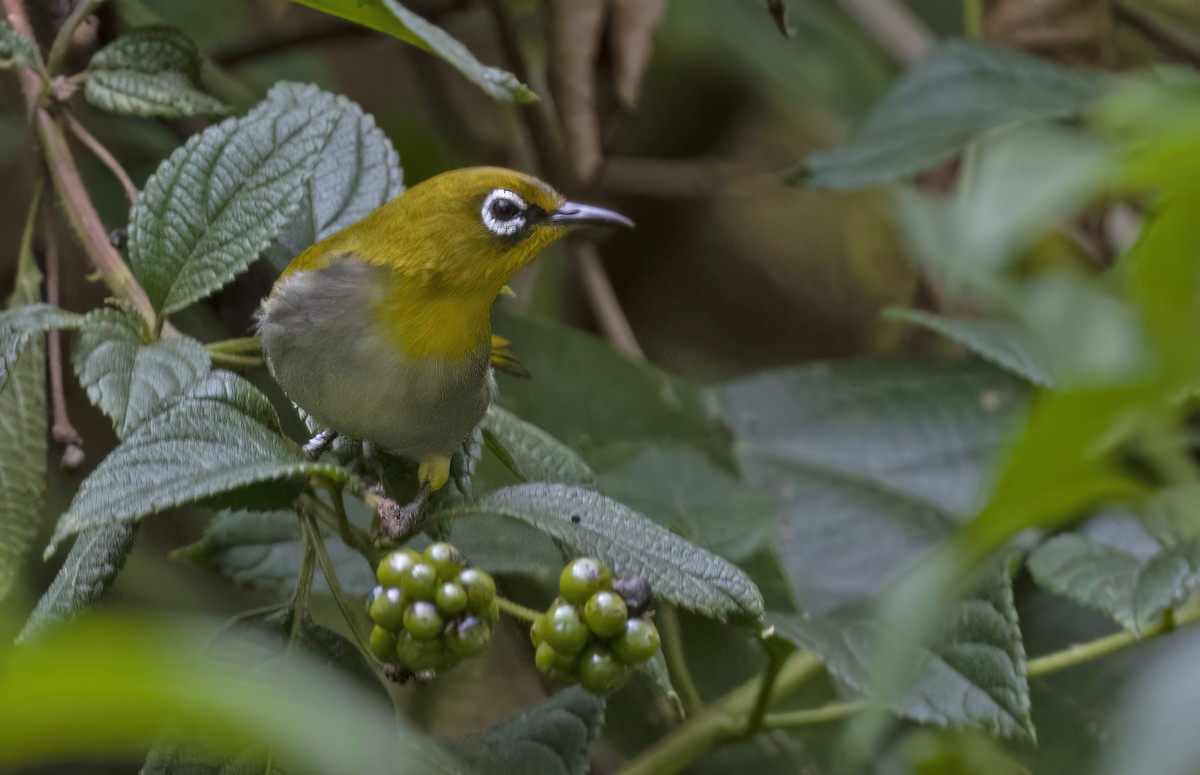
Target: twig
column 312, row 537
column 103, row 154
column 234, row 361
column 243, row 345
column 677, row 667
column 1161, row 35
column 360, row 541
column 62, row 41
column 893, row 26
column 62, row 431
column 603, row 299
column 516, row 610
column 834, row 711
column 298, row 608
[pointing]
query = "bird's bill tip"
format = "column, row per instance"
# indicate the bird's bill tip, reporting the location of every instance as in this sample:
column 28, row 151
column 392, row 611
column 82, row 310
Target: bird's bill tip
column 575, row 214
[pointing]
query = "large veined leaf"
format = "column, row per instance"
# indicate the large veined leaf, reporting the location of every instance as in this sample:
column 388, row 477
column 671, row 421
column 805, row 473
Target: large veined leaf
column 16, row 49
column 357, row 171
column 872, row 462
column 959, row 92
column 20, row 324
column 550, row 738
column 971, row 675
column 22, row 429
column 1003, row 342
column 394, row 19
column 263, row 550
column 534, row 454
column 215, row 204
column 629, row 543
column 151, row 71
column 221, row 436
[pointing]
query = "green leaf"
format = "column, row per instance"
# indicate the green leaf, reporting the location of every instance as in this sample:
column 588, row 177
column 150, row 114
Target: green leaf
column 151, row 71
column 263, row 550
column 684, row 491
column 222, row 435
column 1131, row 588
column 394, row 19
column 959, row 92
column 872, row 462
column 17, row 50
column 22, row 425
column 357, row 171
column 971, row 675
column 142, row 676
column 552, row 738
column 1002, row 342
column 20, row 325
column 90, row 568
column 533, row 454
column 641, row 403
column 127, row 379
column 217, row 202
column 629, row 543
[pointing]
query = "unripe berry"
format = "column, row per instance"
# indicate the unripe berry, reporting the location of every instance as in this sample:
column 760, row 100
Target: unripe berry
column 565, row 631
column 383, row 643
column 599, row 670
column 376, row 592
column 481, row 591
column 395, row 566
column 582, row 578
column 558, row 667
column 637, row 643
column 423, row 620
column 537, row 630
column 444, row 558
column 469, row 637
column 387, row 610
column 451, row 598
column 605, row 614
column 422, row 654
column 421, row 582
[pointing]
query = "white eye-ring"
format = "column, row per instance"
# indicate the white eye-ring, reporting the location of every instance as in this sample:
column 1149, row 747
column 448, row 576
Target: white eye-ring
column 504, row 212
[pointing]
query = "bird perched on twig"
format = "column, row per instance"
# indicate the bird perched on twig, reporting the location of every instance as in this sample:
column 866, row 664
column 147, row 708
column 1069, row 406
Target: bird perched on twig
column 382, row 331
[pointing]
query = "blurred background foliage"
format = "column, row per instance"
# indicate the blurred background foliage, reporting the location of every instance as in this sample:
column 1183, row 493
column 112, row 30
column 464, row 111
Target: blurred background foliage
column 701, row 111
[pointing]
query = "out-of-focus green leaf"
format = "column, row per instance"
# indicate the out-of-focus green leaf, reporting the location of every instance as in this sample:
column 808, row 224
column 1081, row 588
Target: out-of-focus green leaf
column 1132, row 589
column 151, row 71
column 142, row 676
column 262, row 549
column 959, row 92
column 629, row 543
column 972, row 675
column 872, row 462
column 16, row 49
column 1003, row 342
column 641, row 403
column 20, row 324
column 687, row 493
column 534, row 454
column 357, row 171
column 394, row 19
column 552, row 738
column 22, row 424
column 221, row 436
column 217, row 202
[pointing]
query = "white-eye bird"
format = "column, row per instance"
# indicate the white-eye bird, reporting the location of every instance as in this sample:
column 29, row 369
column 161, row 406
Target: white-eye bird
column 382, row 331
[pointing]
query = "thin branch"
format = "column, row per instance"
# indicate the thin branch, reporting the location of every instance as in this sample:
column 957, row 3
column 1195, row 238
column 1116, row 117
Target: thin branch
column 599, row 290
column 234, row 361
column 835, row 711
column 892, row 25
column 312, row 537
column 1162, row 35
column 677, row 666
column 66, row 33
column 100, row 152
column 62, row 431
column 516, row 610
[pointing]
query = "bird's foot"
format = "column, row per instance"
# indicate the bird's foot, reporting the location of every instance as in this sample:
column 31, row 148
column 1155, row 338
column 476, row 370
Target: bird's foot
column 317, row 445
column 399, row 521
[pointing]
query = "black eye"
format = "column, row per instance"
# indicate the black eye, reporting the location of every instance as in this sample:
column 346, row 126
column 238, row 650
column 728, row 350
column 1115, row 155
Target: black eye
column 504, row 209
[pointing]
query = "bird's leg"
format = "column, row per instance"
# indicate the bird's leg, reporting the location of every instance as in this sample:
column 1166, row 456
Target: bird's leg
column 317, row 445
column 396, row 522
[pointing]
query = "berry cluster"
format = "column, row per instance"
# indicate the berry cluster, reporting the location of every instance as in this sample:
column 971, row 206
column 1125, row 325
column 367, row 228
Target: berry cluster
column 597, row 630
column 430, row 611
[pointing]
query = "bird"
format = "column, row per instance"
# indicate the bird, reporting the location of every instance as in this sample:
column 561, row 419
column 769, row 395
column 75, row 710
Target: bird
column 381, row 332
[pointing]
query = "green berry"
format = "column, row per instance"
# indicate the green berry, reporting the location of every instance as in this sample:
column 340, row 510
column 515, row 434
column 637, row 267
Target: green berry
column 481, row 590
column 422, row 654
column 383, row 643
column 376, row 592
column 421, row 582
column 565, row 632
column 395, row 566
column 583, row 578
column 537, row 631
column 451, row 598
column 637, row 643
column 445, row 558
column 557, row 666
column 600, row 672
column 387, row 610
column 469, row 637
column 423, row 620
column 605, row 614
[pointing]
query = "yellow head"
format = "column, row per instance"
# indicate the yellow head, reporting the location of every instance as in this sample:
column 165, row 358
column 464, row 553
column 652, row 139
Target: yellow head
column 467, row 231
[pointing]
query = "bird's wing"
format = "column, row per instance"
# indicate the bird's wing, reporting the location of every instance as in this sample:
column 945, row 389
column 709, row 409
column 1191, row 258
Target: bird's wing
column 505, row 360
